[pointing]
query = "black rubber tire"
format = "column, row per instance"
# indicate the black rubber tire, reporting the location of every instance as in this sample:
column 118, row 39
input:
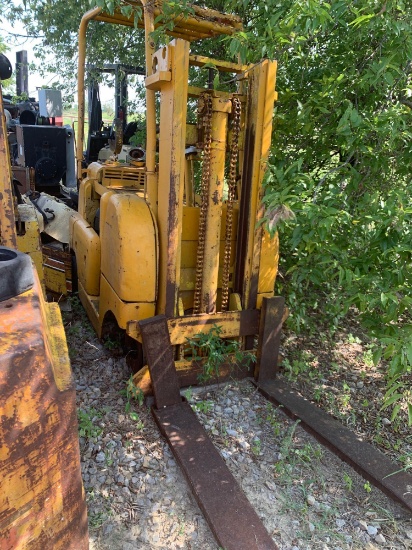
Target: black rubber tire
column 16, row 273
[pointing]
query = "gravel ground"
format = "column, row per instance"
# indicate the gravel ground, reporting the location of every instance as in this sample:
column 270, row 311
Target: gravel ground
column 137, row 496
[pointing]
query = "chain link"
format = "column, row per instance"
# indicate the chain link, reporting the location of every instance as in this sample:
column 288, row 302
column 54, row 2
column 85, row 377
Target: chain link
column 234, row 153
column 205, row 114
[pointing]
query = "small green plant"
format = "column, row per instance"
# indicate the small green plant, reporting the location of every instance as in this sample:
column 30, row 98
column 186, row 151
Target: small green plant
column 182, row 526
column 273, row 419
column 256, row 447
column 345, row 396
column 308, row 453
column 87, row 419
column 367, row 487
column 74, row 330
column 368, row 360
column 136, row 418
column 213, row 351
column 109, row 459
column 348, row 481
column 317, row 394
column 131, row 392
column 110, row 344
column 353, row 339
column 188, row 393
column 203, row 406
column 97, row 519
column 284, row 464
column 300, row 365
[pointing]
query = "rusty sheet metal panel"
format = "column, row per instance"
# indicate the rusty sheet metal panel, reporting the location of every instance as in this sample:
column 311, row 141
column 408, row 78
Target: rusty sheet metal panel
column 42, row 504
column 365, row 459
column 228, row 512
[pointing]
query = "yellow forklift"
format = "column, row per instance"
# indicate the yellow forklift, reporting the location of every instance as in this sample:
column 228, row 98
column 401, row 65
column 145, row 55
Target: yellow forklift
column 42, row 501
column 178, row 232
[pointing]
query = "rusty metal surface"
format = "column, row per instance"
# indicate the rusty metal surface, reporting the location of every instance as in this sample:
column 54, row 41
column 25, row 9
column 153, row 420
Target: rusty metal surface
column 271, row 320
column 228, row 512
column 42, row 502
column 22, row 175
column 232, row 324
column 159, row 355
column 365, row 459
column 189, row 374
column 8, row 236
column 173, row 112
column 262, row 81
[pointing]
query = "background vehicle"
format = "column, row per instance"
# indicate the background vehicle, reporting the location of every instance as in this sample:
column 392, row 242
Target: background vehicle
column 42, row 501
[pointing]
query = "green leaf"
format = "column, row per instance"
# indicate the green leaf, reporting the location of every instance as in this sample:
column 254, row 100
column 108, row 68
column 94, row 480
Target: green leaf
column 377, row 355
column 395, row 412
column 361, row 20
column 392, row 400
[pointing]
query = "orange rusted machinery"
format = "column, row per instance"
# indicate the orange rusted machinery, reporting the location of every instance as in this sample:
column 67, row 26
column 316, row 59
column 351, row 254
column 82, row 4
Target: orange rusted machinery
column 42, row 502
column 179, row 233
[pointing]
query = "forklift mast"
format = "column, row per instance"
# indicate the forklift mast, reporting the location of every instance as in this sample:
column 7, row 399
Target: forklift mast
column 180, row 234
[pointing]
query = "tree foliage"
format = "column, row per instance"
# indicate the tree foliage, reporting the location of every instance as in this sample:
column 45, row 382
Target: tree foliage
column 341, row 162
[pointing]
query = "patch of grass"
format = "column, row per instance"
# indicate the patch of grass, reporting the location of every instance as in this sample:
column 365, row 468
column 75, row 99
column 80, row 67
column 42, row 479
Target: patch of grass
column 74, row 329
column 273, row 419
column 300, row 365
column 97, row 519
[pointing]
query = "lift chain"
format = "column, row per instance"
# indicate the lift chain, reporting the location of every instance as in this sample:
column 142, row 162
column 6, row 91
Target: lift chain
column 234, row 153
column 205, row 113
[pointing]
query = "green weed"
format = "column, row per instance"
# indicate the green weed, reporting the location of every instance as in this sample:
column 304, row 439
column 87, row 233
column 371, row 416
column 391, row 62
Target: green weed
column 348, row 481
column 87, row 426
column 213, row 351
